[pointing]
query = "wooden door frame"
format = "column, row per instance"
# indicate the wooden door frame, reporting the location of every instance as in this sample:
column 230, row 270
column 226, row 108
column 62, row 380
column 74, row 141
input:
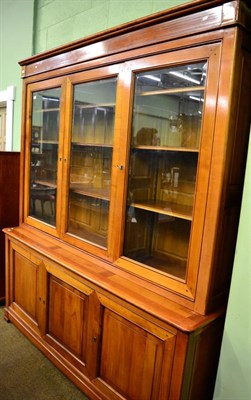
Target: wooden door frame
column 7, row 98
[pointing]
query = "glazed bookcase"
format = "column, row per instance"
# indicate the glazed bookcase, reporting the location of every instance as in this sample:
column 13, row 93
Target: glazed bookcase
column 133, row 156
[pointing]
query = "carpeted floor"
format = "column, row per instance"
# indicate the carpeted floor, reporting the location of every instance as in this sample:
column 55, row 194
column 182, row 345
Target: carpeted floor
column 26, row 374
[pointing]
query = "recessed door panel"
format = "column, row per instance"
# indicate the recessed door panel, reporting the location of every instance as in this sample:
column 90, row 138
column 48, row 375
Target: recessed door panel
column 132, row 358
column 67, row 320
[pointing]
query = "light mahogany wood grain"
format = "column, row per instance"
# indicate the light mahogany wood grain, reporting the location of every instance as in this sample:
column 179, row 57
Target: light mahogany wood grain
column 117, row 327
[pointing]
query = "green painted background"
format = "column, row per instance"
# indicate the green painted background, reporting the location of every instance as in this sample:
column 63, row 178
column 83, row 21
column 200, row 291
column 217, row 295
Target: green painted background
column 60, row 21
column 16, row 24
column 57, row 22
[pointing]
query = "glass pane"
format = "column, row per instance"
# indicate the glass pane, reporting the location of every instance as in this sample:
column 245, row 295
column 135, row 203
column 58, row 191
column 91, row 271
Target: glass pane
column 44, row 154
column 168, row 106
column 91, row 159
column 166, row 132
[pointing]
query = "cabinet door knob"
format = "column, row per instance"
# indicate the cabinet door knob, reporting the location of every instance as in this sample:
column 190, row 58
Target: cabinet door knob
column 94, row 339
column 120, row 166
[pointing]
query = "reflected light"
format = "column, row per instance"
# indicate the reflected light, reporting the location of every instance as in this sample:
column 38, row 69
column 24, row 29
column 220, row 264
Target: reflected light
column 182, row 76
column 196, row 98
column 152, row 77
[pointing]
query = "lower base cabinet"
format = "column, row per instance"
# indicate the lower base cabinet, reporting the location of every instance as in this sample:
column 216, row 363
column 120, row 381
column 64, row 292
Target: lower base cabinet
column 109, row 348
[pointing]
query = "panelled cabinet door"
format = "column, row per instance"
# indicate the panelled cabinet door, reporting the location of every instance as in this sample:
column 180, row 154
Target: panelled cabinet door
column 136, row 355
column 70, row 320
column 171, row 139
column 66, row 327
column 27, row 290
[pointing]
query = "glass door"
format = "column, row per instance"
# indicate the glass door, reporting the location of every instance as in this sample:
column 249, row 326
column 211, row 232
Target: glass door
column 91, row 152
column 43, row 153
column 172, row 125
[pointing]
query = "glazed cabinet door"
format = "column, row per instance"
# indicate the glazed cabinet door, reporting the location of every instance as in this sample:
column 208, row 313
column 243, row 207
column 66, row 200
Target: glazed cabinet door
column 171, row 138
column 26, row 292
column 136, row 356
column 89, row 172
column 43, row 154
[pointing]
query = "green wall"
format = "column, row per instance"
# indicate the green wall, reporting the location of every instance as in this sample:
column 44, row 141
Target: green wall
column 57, row 22
column 16, row 24
column 234, row 372
column 60, row 21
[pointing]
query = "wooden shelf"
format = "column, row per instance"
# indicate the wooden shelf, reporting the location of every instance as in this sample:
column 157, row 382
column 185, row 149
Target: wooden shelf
column 165, row 208
column 92, row 144
column 80, row 231
column 93, row 207
column 83, row 189
column 172, row 265
column 46, row 184
column 166, row 148
column 172, row 91
column 46, row 142
column 47, row 110
column 95, row 105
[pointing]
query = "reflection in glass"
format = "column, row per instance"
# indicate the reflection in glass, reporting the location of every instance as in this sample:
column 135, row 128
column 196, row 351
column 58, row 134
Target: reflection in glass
column 44, row 154
column 166, row 133
column 91, row 158
column 168, row 106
